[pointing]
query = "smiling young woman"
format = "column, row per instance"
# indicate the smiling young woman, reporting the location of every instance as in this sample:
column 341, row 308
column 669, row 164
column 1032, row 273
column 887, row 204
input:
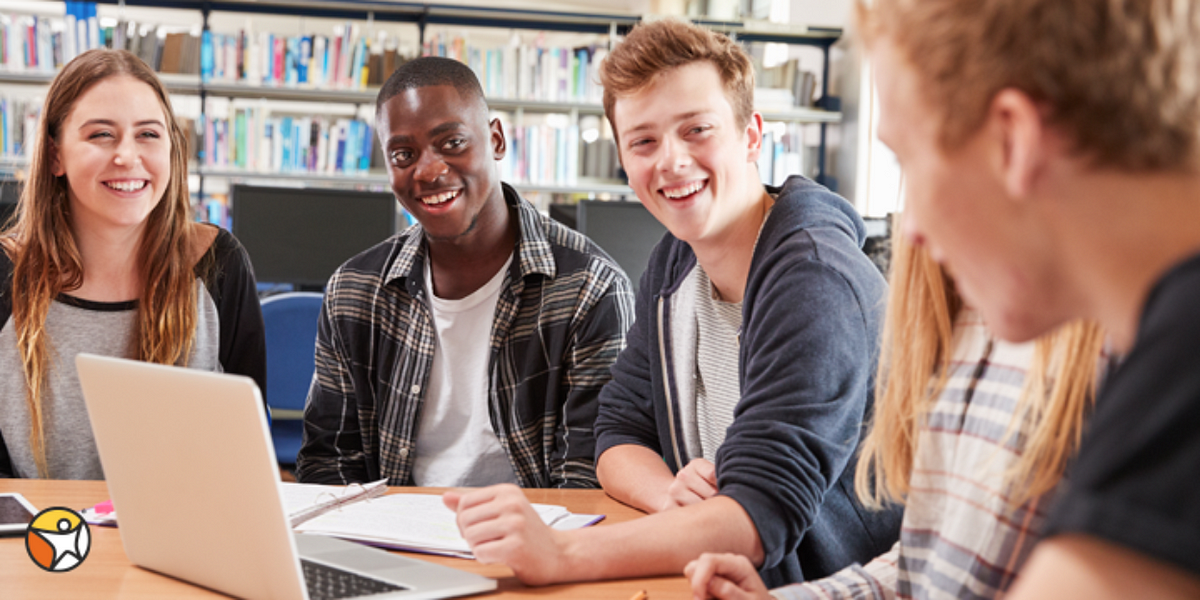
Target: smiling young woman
column 108, row 260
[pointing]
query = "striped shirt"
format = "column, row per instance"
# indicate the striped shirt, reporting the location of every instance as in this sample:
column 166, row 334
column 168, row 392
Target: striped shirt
column 718, row 384
column 960, row 537
column 559, row 324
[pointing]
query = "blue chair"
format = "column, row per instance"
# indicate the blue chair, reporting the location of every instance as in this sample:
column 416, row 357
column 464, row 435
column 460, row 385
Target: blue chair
column 291, row 326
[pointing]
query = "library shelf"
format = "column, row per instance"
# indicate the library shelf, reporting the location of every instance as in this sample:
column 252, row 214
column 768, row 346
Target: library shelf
column 190, row 85
column 380, row 179
column 425, row 15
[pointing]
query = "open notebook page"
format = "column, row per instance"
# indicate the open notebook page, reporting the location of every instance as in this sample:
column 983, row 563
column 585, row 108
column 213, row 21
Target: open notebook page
column 418, row 522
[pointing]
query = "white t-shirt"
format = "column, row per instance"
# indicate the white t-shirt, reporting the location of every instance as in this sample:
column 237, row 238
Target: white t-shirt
column 456, row 444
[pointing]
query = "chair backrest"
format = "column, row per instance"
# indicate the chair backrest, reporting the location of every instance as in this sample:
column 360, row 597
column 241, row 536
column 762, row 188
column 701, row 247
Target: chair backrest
column 291, row 331
column 291, row 325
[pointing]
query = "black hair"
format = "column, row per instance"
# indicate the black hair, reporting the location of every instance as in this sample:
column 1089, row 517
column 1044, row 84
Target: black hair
column 427, row 71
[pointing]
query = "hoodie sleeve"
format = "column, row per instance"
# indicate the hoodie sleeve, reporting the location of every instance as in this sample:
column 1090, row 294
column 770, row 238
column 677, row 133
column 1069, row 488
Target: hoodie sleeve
column 807, row 359
column 627, row 412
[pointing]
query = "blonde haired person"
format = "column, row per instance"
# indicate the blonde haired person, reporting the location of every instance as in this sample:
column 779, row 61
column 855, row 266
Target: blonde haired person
column 970, row 432
column 103, row 256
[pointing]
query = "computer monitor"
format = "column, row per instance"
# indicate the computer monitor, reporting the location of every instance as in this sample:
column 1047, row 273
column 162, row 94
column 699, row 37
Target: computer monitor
column 878, row 245
column 10, row 192
column 625, row 230
column 301, row 236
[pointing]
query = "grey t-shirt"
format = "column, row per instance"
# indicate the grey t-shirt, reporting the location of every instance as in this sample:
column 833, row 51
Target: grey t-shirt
column 229, row 337
column 74, row 326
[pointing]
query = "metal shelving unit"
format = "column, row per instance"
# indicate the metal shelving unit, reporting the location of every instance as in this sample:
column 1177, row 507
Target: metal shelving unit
column 377, row 178
column 435, row 14
column 191, row 84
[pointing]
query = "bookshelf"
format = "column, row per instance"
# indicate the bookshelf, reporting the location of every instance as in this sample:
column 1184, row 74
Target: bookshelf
column 552, row 113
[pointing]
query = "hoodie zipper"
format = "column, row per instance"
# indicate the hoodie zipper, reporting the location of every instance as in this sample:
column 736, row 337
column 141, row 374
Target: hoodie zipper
column 662, row 355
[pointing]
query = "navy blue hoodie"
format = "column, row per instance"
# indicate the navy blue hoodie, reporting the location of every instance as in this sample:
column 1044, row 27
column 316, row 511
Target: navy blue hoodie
column 811, row 316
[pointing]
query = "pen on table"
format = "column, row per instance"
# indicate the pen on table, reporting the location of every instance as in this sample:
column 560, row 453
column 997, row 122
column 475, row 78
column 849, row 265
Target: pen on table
column 641, row 595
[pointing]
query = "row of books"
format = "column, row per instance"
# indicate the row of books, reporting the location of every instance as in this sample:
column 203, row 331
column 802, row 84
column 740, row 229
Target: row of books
column 784, row 153
column 788, row 80
column 347, row 59
column 254, row 139
column 528, row 71
column 350, row 60
column 43, row 44
column 18, row 126
column 213, row 208
column 542, row 154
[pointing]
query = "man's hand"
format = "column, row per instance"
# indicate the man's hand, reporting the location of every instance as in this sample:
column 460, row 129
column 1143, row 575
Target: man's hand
column 725, row 577
column 694, row 483
column 502, row 528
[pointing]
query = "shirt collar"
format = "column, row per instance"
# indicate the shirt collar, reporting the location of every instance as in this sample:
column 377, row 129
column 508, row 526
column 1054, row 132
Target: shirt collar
column 533, row 252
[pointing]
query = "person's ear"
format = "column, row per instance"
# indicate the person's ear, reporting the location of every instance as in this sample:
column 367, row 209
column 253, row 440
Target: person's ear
column 499, row 143
column 754, row 135
column 1022, row 136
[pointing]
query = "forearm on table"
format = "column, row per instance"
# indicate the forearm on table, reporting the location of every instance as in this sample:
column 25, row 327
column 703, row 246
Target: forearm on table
column 662, row 543
column 635, row 475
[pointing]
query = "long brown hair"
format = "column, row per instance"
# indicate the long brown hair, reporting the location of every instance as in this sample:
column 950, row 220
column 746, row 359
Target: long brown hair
column 917, row 347
column 46, row 260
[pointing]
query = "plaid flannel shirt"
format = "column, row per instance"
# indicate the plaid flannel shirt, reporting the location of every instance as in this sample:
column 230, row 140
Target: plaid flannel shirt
column 560, row 323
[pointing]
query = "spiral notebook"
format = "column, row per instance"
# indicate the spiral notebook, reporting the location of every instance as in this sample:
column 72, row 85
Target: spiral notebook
column 304, row 504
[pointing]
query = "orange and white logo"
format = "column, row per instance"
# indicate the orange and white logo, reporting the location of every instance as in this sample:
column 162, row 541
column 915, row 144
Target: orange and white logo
column 58, row 539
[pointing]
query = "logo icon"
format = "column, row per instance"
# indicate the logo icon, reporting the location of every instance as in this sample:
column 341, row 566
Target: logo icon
column 58, row 539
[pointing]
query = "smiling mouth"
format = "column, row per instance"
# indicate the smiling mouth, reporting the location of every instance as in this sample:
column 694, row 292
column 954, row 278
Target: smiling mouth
column 680, row 192
column 438, row 199
column 127, row 186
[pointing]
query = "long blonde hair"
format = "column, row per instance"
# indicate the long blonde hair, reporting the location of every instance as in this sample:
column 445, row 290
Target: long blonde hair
column 45, row 257
column 917, row 347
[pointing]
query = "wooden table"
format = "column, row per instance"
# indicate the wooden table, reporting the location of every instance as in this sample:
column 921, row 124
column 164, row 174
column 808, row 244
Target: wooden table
column 107, row 573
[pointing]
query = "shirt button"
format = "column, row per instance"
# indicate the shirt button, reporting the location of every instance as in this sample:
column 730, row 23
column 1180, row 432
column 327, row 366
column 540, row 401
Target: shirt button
column 404, row 453
column 415, row 389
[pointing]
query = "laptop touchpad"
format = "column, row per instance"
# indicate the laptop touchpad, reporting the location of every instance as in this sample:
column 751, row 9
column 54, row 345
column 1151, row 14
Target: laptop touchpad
column 348, row 554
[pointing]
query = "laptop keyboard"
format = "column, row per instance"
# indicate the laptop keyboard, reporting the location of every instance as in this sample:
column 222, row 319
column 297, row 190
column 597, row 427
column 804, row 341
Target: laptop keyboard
column 330, row 583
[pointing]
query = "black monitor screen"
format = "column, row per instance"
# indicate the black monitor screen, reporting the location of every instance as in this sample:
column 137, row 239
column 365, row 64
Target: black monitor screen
column 301, row 236
column 10, row 191
column 625, row 230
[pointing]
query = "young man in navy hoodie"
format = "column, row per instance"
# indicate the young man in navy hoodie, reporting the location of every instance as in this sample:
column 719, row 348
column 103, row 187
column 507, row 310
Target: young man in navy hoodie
column 735, row 411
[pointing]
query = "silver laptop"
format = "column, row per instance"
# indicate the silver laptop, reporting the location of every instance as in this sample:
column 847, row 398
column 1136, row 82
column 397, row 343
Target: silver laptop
column 191, row 470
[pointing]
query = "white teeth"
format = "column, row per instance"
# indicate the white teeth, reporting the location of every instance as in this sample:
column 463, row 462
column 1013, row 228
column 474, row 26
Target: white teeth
column 440, row 198
column 686, row 190
column 127, row 186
